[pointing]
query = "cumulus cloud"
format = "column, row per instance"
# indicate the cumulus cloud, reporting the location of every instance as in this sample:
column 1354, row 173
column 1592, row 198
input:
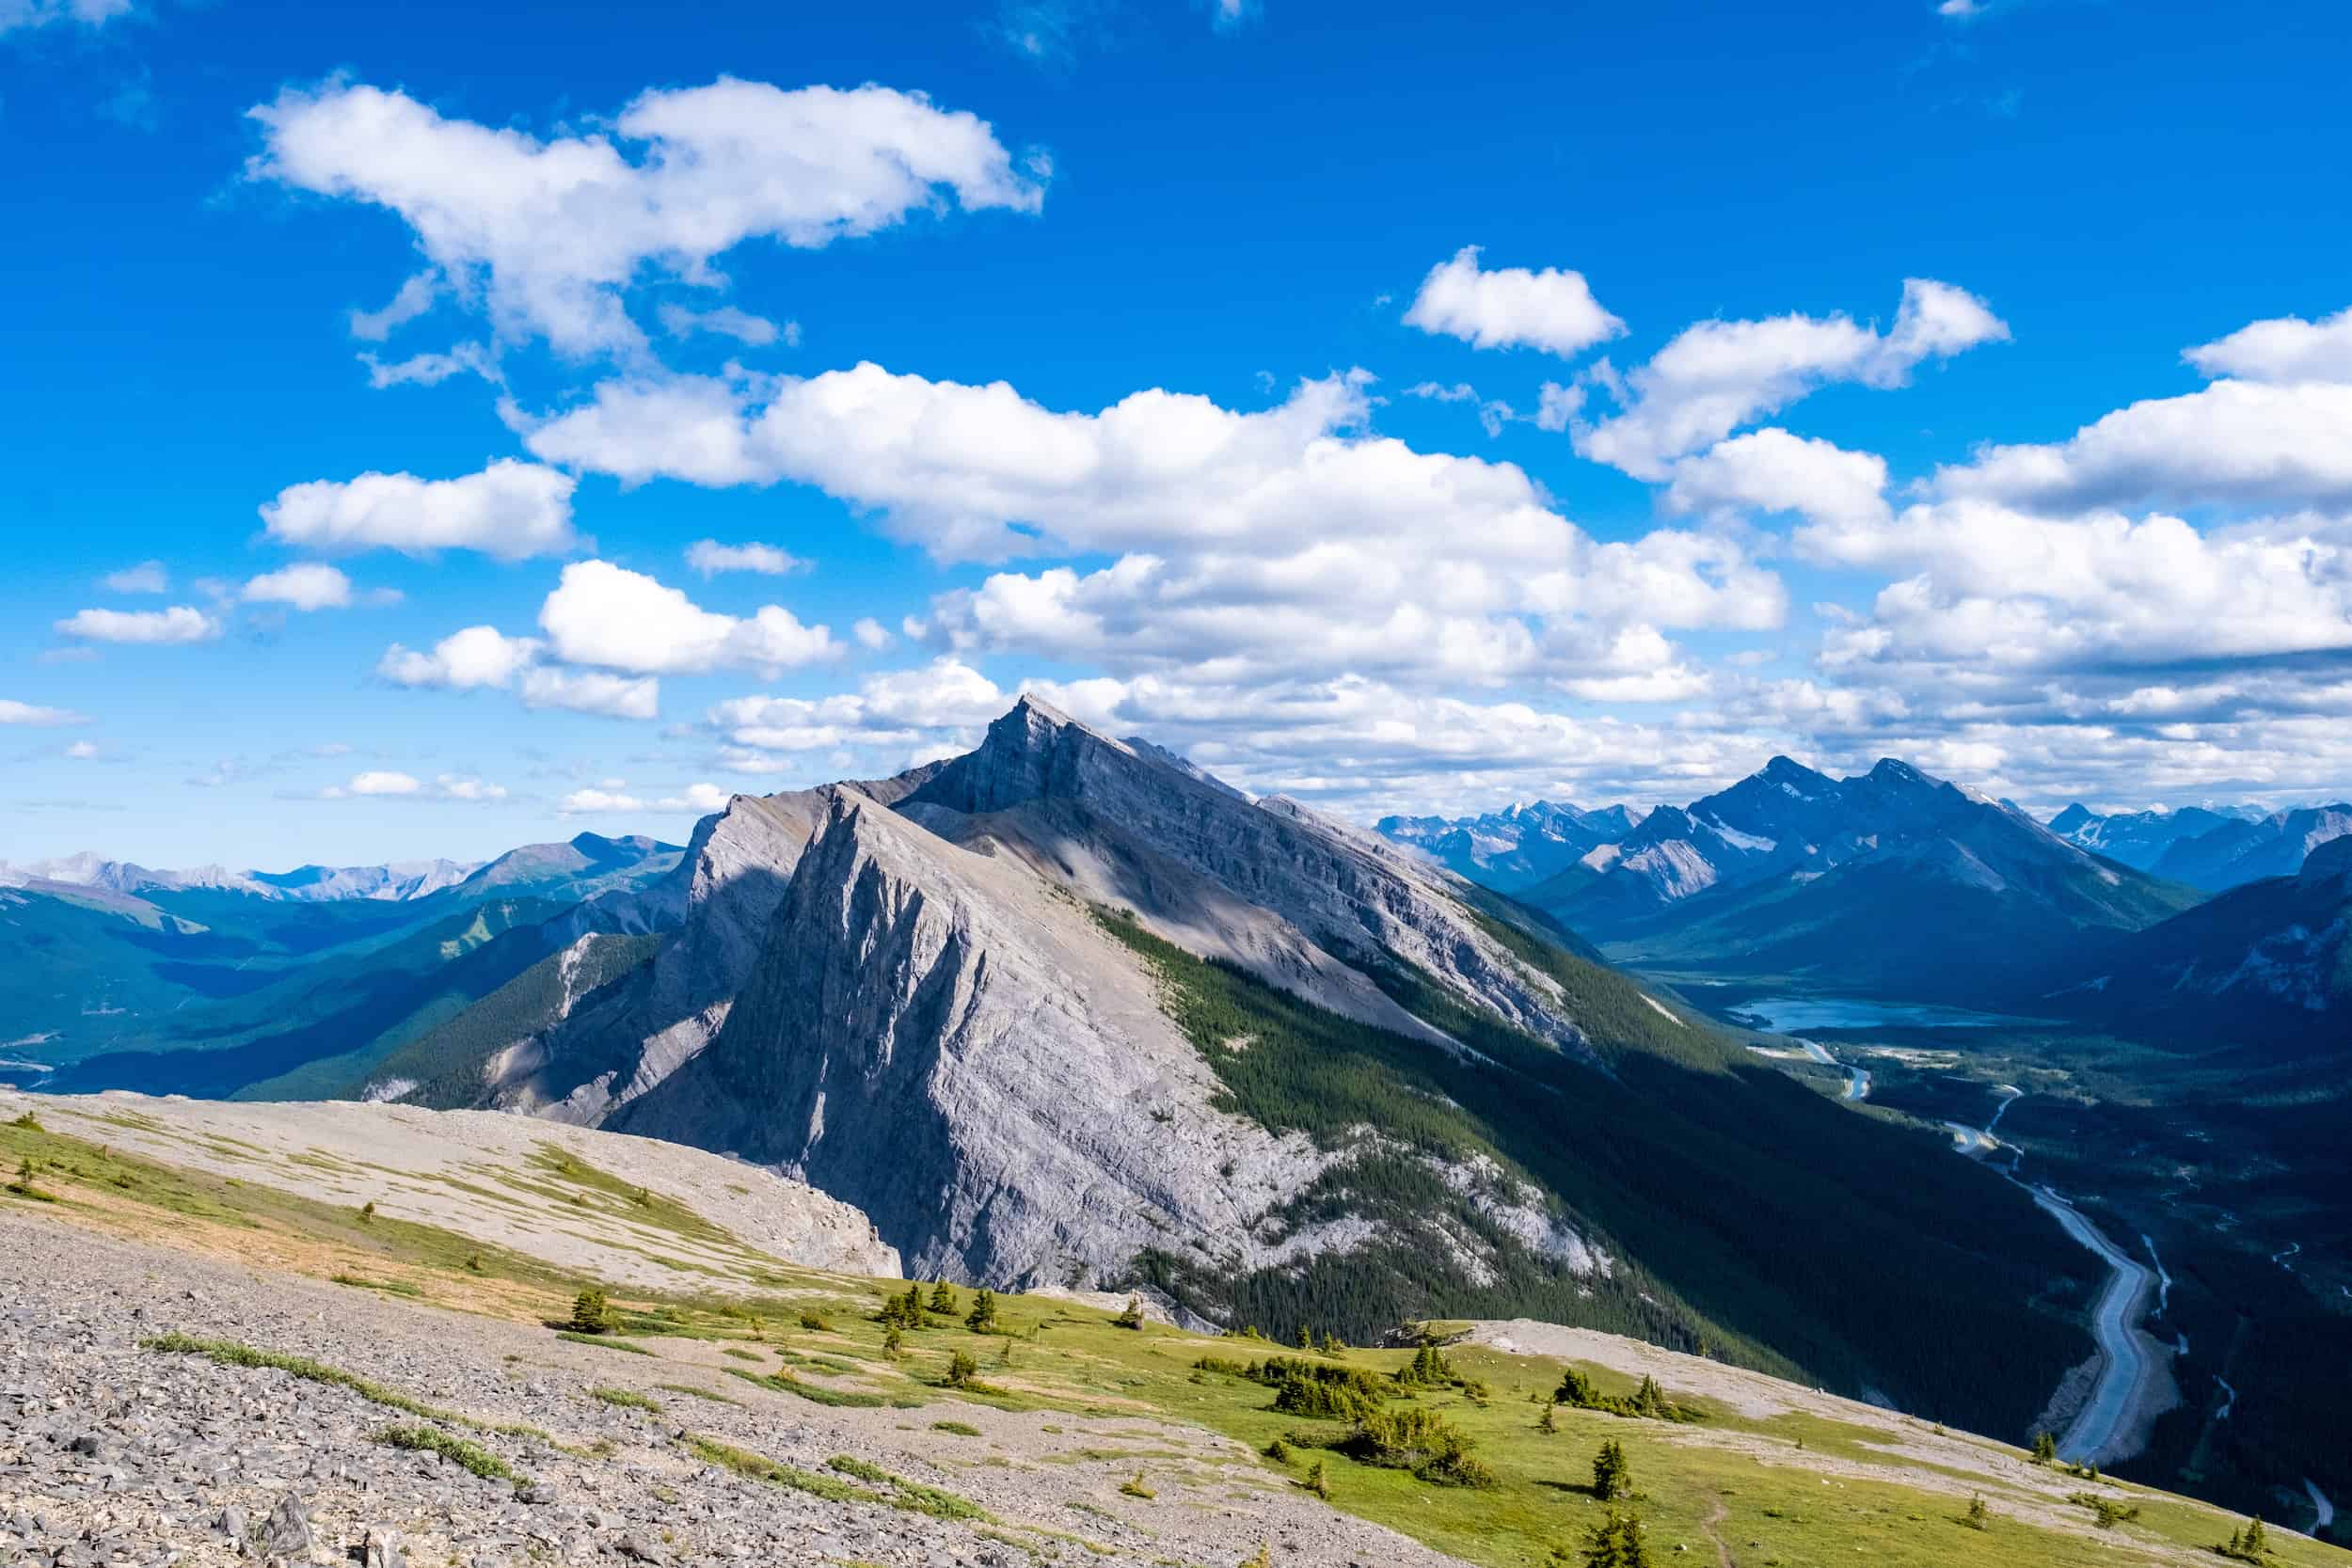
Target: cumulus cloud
column 1716, row 377
column 14, row 712
column 180, row 624
column 385, row 784
column 2233, row 443
column 2287, row 348
column 1287, row 539
column 305, row 586
column 709, row 557
column 548, row 234
column 510, row 510
column 700, row 799
column 477, row 658
column 464, row 660
column 945, row 701
column 1771, row 470
column 593, row 691
column 147, row 576
column 431, row 369
column 608, row 616
column 1511, row 307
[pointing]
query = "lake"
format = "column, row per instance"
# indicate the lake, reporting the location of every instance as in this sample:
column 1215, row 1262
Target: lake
column 1794, row 1015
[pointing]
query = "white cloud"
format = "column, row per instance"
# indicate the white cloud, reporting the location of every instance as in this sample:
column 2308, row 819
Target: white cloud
column 725, row 321
column 946, row 700
column 2287, row 348
column 1493, row 413
column 2234, row 443
column 414, row 299
column 147, row 576
column 382, row 783
column 709, row 557
column 1511, row 307
column 1770, row 470
column 484, row 656
column 15, row 14
column 180, row 624
column 1987, row 584
column 548, row 234
column 83, row 751
column 1285, row 539
column 431, row 369
column 605, row 615
column 14, row 712
column 510, row 510
column 385, row 784
column 475, row 657
column 870, row 633
column 593, row 691
column 1716, row 377
column 306, row 585
column 700, row 799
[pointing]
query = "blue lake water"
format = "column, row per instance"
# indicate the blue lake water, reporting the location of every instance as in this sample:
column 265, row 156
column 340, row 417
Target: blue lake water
column 1788, row 1015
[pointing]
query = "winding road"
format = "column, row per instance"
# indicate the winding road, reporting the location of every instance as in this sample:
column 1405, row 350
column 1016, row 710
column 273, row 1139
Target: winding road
column 1857, row 1079
column 2126, row 1366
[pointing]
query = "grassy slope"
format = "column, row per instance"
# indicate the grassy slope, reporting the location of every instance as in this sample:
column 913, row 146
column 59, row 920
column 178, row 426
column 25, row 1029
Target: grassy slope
column 1790, row 1488
column 1744, row 1211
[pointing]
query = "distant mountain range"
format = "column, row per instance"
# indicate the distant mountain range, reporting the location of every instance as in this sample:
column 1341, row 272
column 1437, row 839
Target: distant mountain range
column 2206, row 849
column 1514, row 847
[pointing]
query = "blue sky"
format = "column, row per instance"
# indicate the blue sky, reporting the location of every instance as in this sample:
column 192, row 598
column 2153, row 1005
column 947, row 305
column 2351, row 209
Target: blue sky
column 1180, row 403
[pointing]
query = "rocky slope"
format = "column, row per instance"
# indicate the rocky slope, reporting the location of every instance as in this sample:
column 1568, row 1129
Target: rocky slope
column 2269, row 961
column 2139, row 838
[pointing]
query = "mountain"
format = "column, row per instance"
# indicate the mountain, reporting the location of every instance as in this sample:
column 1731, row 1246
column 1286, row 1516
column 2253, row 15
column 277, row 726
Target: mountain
column 1890, row 882
column 2243, row 851
column 2266, row 962
column 2139, row 839
column 1514, row 847
column 304, row 884
column 269, row 972
column 1061, row 1011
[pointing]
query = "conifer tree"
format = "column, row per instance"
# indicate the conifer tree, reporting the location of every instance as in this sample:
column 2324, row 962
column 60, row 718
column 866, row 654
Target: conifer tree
column 983, row 1317
column 2044, row 1447
column 1549, row 1420
column 942, row 1297
column 1617, row 1543
column 1576, row 1390
column 1132, row 1316
column 1612, row 1477
column 1978, row 1515
column 1650, row 1400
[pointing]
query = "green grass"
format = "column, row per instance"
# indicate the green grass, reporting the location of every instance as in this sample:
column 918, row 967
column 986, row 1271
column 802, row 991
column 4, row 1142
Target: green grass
column 389, row 1287
column 602, row 1342
column 960, row 1429
column 457, row 1450
column 627, row 1399
column 693, row 1393
column 228, row 1353
column 783, row 1382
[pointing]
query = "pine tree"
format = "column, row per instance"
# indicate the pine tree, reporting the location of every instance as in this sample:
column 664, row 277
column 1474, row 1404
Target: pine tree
column 983, row 1317
column 2255, row 1545
column 1549, row 1420
column 1132, row 1316
column 1576, row 1390
column 1978, row 1515
column 911, row 1306
column 943, row 1298
column 894, row 1342
column 961, row 1369
column 1650, row 1400
column 1617, row 1543
column 1319, row 1482
column 2044, row 1447
column 1612, row 1477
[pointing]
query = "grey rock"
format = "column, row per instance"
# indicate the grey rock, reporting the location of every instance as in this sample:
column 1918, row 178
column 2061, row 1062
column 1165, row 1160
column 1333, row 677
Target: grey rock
column 380, row 1548
column 287, row 1532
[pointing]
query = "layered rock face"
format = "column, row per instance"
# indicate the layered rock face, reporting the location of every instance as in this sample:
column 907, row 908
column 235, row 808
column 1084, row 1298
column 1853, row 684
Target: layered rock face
column 902, row 993
column 935, row 1036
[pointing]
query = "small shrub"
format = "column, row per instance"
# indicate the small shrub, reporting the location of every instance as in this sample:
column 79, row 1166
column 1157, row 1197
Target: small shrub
column 815, row 1323
column 1979, row 1516
column 367, row 1212
column 1279, row 1451
column 1132, row 1316
column 457, row 1450
column 1134, row 1487
column 1262, row 1557
column 1319, row 1482
column 30, row 1122
column 961, row 1370
column 627, row 1399
column 983, row 1315
column 961, row 1429
column 591, row 1313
